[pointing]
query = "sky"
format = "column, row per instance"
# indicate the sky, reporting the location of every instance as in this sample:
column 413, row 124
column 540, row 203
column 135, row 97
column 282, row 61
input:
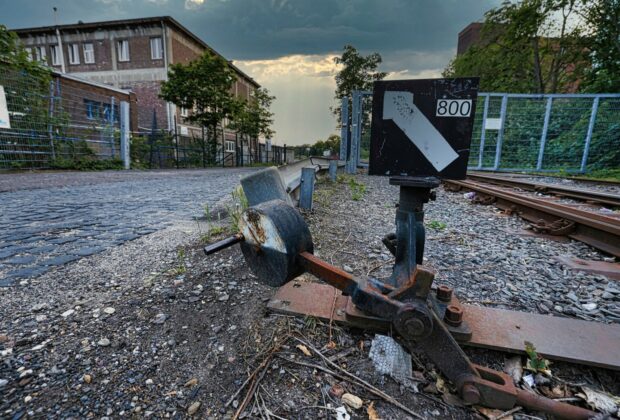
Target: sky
column 288, row 46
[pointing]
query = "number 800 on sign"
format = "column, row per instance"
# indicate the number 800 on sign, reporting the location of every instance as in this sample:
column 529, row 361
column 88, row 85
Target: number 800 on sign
column 453, row 107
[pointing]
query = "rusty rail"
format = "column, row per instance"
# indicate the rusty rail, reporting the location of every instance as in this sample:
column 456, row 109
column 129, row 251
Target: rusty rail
column 606, row 199
column 597, row 230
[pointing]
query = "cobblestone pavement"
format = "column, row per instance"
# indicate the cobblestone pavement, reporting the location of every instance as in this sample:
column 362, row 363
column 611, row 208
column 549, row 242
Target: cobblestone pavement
column 85, row 213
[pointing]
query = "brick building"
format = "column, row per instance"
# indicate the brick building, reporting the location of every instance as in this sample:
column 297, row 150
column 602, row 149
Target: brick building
column 131, row 54
column 470, row 35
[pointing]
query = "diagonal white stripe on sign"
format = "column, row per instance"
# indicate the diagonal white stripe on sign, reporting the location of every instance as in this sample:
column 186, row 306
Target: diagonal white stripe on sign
column 398, row 106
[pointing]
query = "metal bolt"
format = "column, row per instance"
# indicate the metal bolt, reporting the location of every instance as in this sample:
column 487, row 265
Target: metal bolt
column 414, row 327
column 470, row 394
column 453, row 316
column 444, row 293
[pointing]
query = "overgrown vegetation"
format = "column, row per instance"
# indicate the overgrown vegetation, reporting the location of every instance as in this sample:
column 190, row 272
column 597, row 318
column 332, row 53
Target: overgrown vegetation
column 357, row 189
column 237, row 207
column 546, row 46
column 436, row 224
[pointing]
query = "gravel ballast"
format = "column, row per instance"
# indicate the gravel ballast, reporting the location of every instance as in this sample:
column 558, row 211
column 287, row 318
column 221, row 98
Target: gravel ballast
column 153, row 328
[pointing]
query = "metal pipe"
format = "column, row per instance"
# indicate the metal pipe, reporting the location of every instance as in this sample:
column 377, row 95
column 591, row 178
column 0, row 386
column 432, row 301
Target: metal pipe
column 557, row 409
column 223, row 244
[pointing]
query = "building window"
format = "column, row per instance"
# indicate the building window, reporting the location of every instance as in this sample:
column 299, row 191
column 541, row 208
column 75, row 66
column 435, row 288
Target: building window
column 40, row 53
column 110, row 113
column 92, row 109
column 184, row 112
column 28, row 53
column 230, row 146
column 74, row 53
column 55, row 50
column 89, row 53
column 122, row 50
column 157, row 52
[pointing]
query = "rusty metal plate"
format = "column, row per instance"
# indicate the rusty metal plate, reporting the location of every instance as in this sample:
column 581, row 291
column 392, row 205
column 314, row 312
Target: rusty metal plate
column 610, row 270
column 566, row 339
column 556, row 338
column 309, row 299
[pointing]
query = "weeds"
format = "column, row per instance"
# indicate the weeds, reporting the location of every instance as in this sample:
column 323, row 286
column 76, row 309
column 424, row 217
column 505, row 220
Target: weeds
column 436, row 224
column 239, row 204
column 180, row 268
column 357, row 189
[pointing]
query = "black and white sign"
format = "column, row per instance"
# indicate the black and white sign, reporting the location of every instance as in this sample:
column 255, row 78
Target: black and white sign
column 422, row 127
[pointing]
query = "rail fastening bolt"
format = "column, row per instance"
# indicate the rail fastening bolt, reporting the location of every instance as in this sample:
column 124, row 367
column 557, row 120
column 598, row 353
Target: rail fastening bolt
column 444, row 293
column 453, row 316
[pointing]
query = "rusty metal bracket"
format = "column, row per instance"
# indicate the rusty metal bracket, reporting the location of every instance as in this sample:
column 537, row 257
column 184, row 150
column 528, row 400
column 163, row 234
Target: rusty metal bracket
column 560, row 227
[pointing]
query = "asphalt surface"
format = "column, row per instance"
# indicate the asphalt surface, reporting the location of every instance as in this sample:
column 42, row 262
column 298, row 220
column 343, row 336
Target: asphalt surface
column 51, row 219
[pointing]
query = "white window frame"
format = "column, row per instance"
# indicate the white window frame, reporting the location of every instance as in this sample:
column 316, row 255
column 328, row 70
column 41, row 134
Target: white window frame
column 74, row 53
column 40, row 53
column 55, row 53
column 89, row 53
column 157, row 50
column 184, row 112
column 29, row 53
column 122, row 50
column 230, row 146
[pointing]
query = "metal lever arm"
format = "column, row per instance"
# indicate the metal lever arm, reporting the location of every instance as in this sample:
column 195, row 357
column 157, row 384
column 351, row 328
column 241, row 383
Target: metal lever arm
column 223, row 244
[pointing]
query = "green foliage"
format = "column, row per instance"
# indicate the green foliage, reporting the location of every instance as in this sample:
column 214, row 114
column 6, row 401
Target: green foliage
column 13, row 54
column 602, row 18
column 531, row 46
column 357, row 189
column 358, row 72
column 535, row 361
column 180, row 268
column 332, row 144
column 239, row 204
column 86, row 164
column 204, row 87
column 436, row 224
column 253, row 117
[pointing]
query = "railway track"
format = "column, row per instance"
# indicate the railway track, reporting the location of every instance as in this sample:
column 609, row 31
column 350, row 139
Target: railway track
column 586, row 217
column 606, row 199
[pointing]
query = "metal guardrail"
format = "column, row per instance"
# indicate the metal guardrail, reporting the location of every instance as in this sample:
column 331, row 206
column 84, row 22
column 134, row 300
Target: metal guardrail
column 291, row 173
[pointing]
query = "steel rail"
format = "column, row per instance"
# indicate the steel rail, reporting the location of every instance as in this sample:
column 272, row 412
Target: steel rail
column 607, row 199
column 597, row 230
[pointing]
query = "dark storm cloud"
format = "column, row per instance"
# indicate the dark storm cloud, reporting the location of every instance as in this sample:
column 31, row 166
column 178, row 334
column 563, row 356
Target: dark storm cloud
column 263, row 29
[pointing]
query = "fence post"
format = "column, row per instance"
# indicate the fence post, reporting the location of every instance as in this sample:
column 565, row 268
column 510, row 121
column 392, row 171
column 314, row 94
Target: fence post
column 355, row 122
column 483, row 130
column 50, row 130
column 543, row 136
column 307, row 188
column 125, row 134
column 333, row 168
column 176, row 142
column 344, row 129
column 586, row 147
column 500, row 133
column 111, row 124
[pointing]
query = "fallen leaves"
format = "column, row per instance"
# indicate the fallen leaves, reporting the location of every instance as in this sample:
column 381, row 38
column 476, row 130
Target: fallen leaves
column 372, row 413
column 304, row 349
column 601, row 401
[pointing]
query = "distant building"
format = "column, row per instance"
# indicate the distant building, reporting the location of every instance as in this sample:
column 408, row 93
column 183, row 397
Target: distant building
column 469, row 36
column 132, row 54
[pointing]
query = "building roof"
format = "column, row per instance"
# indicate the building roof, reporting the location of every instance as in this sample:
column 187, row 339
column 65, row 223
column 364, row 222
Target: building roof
column 131, row 22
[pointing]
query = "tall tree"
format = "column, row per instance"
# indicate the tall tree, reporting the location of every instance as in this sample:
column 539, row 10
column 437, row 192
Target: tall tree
column 203, row 86
column 14, row 55
column 529, row 46
column 358, row 73
column 602, row 17
column 254, row 118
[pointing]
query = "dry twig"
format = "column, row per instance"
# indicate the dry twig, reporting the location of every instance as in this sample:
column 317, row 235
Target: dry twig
column 351, row 377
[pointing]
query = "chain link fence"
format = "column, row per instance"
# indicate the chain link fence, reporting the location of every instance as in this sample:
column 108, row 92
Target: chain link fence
column 546, row 133
column 57, row 122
